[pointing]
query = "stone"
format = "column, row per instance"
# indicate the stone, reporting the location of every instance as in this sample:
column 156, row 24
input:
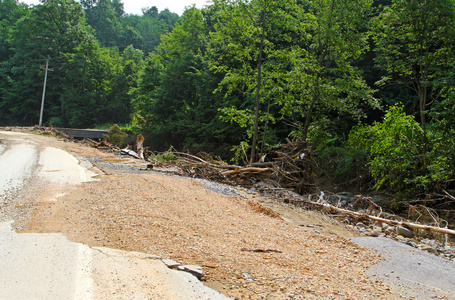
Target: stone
column 389, row 230
column 361, row 225
column 170, row 263
column 406, row 232
column 401, row 239
column 374, row 233
column 427, row 248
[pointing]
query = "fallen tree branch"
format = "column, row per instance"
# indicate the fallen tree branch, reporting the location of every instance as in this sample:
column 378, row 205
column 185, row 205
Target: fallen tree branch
column 261, row 250
column 241, row 170
column 450, row 196
column 264, row 164
column 207, row 163
column 329, row 207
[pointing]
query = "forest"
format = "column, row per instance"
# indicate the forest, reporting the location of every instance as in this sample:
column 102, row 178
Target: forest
column 367, row 84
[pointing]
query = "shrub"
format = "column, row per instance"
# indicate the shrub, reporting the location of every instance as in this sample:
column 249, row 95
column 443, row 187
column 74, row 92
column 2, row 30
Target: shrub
column 116, row 136
column 395, row 151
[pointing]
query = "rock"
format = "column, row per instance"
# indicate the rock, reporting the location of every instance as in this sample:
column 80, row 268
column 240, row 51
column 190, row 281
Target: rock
column 374, row 233
column 406, row 232
column 427, row 248
column 409, row 243
column 170, row 263
column 400, row 238
column 361, row 225
column 389, row 230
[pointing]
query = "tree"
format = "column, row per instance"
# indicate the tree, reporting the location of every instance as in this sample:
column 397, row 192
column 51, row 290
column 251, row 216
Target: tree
column 10, row 12
column 415, row 45
column 238, row 49
column 174, row 96
column 321, row 79
column 393, row 146
column 51, row 30
column 77, row 89
column 299, row 55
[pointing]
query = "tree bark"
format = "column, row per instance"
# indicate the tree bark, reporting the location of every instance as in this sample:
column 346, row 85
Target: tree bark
column 258, row 95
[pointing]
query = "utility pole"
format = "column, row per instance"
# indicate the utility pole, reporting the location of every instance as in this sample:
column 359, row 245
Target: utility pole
column 44, row 91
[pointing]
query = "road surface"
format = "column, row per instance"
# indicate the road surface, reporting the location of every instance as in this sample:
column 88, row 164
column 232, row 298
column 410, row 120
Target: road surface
column 48, row 265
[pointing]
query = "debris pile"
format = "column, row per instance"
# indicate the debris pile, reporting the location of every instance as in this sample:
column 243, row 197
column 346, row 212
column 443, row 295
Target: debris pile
column 289, row 168
column 52, row 132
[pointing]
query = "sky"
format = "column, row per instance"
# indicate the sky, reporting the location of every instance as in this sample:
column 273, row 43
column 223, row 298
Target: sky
column 135, row 6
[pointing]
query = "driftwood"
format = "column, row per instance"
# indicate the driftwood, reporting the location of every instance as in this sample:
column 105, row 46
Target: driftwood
column 232, row 169
column 207, row 163
column 289, row 168
column 246, row 169
column 328, row 207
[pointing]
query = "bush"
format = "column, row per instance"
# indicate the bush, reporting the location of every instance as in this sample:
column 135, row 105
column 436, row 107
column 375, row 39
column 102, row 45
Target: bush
column 342, row 165
column 116, row 136
column 395, row 151
column 55, row 122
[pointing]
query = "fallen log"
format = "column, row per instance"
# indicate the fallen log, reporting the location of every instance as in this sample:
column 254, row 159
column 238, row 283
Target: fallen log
column 328, row 207
column 241, row 170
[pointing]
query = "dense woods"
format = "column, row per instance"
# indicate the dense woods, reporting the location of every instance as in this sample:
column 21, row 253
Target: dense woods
column 369, row 85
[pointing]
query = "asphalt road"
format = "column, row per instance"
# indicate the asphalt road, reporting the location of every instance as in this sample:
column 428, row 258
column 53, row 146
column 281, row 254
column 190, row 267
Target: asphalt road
column 49, row 266
column 410, row 271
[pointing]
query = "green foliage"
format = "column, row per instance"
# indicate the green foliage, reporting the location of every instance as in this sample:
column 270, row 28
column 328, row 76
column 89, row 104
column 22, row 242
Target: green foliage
column 116, row 136
column 174, row 95
column 395, row 151
column 307, row 62
column 240, row 153
column 165, row 156
column 415, row 46
column 342, row 165
column 116, row 29
column 55, row 122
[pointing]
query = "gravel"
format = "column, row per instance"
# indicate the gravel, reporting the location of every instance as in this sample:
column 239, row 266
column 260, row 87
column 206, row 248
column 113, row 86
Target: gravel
column 179, row 219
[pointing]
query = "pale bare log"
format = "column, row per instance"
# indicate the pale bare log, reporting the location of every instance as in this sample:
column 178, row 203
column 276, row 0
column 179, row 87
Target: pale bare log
column 241, row 170
column 382, row 220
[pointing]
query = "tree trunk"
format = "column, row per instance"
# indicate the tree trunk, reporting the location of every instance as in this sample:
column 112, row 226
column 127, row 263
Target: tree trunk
column 258, row 95
column 423, row 99
column 309, row 112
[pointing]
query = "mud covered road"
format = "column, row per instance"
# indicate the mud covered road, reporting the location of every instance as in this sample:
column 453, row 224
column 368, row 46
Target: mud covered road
column 249, row 246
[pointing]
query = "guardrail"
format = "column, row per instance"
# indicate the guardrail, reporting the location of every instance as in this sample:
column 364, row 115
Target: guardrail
column 84, row 133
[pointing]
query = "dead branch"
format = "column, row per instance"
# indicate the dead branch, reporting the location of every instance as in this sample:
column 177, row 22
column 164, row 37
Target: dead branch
column 241, row 170
column 449, row 195
column 386, row 221
column 263, row 164
column 207, row 163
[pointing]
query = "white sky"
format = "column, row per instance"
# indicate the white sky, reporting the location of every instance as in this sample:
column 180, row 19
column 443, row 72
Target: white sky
column 135, row 6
